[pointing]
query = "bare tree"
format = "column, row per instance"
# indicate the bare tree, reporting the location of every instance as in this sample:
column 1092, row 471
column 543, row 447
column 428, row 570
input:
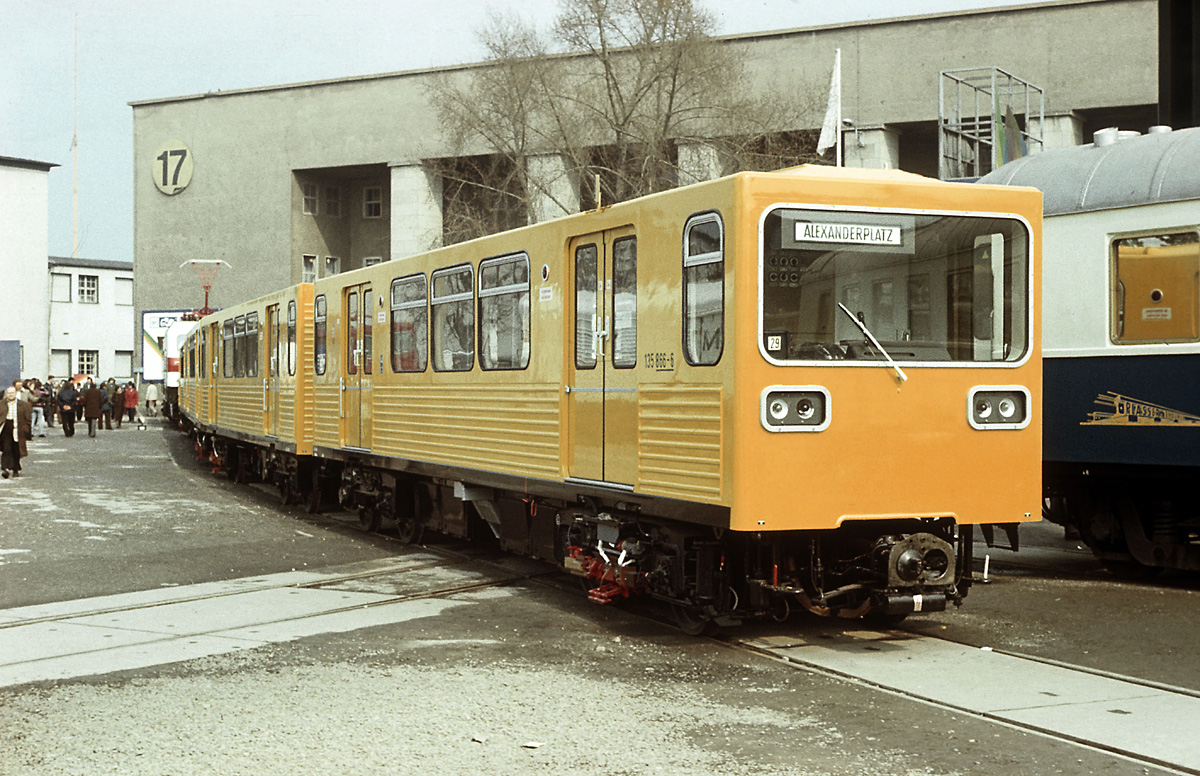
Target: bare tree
column 632, row 82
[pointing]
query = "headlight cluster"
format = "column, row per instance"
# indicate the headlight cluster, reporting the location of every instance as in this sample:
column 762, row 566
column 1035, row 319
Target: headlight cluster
column 998, row 407
column 795, row 408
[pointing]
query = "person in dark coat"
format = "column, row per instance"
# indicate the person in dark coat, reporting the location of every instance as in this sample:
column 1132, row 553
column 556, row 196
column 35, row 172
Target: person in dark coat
column 67, row 398
column 93, row 403
column 16, row 426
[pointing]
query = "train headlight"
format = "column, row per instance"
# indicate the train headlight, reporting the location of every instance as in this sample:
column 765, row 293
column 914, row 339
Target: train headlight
column 795, row 408
column 998, row 407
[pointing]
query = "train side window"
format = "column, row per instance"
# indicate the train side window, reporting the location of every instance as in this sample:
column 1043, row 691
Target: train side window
column 703, row 290
column 368, row 321
column 410, row 324
column 250, row 351
column 239, row 346
column 227, row 348
column 291, row 338
column 586, row 270
column 453, row 309
column 1156, row 288
column 319, row 334
column 624, row 303
column 504, row 312
column 203, row 352
column 352, row 351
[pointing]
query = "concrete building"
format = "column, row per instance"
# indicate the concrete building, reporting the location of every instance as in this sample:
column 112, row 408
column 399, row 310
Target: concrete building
column 24, row 244
column 90, row 318
column 299, row 181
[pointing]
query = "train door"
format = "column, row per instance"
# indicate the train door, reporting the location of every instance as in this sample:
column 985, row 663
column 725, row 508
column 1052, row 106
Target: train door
column 271, row 378
column 602, row 389
column 214, row 338
column 359, row 307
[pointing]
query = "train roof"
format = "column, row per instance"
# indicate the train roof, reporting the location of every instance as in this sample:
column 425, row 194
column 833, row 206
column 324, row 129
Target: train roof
column 1115, row 172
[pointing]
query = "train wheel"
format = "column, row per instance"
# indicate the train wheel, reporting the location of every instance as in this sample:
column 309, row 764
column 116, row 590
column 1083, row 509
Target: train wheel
column 369, row 519
column 409, row 530
column 692, row 620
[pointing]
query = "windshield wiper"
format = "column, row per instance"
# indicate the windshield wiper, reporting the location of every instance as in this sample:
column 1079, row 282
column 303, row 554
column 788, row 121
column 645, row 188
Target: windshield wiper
column 863, row 328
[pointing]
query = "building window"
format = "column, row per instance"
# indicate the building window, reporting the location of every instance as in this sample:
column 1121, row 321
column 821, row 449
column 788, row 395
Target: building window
column 410, row 324
column 333, row 201
column 60, row 287
column 703, row 290
column 504, row 312
column 371, row 261
column 308, row 272
column 1155, row 294
column 124, row 365
column 310, row 198
column 453, row 308
column 333, row 265
column 60, row 362
column 123, row 291
column 319, row 334
column 373, row 202
column 89, row 289
column 89, row 362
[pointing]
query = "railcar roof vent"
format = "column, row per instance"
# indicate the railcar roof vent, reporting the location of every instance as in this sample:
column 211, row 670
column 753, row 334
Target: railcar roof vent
column 1158, row 129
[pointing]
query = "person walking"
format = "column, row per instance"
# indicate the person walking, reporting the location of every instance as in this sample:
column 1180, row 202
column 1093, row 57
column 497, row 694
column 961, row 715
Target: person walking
column 51, row 389
column 152, row 400
column 67, row 399
column 40, row 395
column 117, row 396
column 93, row 404
column 131, row 401
column 16, row 416
column 109, row 390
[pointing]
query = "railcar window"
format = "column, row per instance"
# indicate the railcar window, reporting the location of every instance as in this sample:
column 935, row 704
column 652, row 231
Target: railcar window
column 453, row 307
column 368, row 315
column 704, row 290
column 352, row 352
column 1156, row 288
column 291, row 338
column 504, row 312
column 227, row 348
column 410, row 324
column 319, row 334
column 239, row 346
column 203, row 352
column 250, row 350
column 929, row 287
column 586, row 273
column 624, row 303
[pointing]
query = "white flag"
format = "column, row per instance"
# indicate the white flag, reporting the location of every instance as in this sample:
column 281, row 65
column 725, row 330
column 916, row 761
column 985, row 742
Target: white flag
column 830, row 128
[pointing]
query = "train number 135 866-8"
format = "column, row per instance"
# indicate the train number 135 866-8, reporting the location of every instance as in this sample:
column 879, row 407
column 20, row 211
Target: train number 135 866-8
column 660, row 362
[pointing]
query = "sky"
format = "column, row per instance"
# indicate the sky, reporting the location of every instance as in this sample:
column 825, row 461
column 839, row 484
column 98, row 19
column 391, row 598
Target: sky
column 70, row 68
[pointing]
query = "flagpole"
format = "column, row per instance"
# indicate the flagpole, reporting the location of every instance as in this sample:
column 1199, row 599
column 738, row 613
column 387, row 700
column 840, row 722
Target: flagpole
column 837, row 66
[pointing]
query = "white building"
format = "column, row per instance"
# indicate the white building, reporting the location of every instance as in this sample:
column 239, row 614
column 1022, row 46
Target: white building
column 90, row 318
column 24, row 245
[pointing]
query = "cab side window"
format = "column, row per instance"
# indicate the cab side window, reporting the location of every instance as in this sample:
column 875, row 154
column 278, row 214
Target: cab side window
column 703, row 289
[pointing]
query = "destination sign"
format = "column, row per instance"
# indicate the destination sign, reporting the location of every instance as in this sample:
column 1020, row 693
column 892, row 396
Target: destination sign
column 856, row 234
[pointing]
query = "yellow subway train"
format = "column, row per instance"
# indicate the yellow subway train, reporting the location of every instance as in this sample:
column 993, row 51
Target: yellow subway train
column 799, row 389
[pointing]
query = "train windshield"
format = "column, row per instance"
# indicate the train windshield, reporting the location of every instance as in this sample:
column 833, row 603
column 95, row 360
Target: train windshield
column 929, row 287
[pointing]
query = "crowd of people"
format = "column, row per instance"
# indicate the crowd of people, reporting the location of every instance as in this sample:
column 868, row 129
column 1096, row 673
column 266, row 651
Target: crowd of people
column 30, row 407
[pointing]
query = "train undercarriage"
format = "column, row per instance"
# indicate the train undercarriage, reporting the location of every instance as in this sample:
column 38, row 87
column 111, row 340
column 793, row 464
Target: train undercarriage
column 884, row 570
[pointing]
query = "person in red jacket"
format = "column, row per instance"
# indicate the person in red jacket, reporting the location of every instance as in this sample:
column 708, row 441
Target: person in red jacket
column 131, row 400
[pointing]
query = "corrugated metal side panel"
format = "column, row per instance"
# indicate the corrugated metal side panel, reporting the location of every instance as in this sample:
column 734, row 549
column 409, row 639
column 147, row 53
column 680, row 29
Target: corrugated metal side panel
column 680, row 441
column 326, row 417
column 240, row 407
column 287, row 412
column 512, row 429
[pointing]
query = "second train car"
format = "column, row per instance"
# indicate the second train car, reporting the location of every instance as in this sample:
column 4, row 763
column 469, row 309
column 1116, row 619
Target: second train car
column 800, row 389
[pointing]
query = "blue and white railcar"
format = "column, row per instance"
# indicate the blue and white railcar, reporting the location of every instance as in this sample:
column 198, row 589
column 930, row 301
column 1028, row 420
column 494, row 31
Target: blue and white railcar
column 1121, row 340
